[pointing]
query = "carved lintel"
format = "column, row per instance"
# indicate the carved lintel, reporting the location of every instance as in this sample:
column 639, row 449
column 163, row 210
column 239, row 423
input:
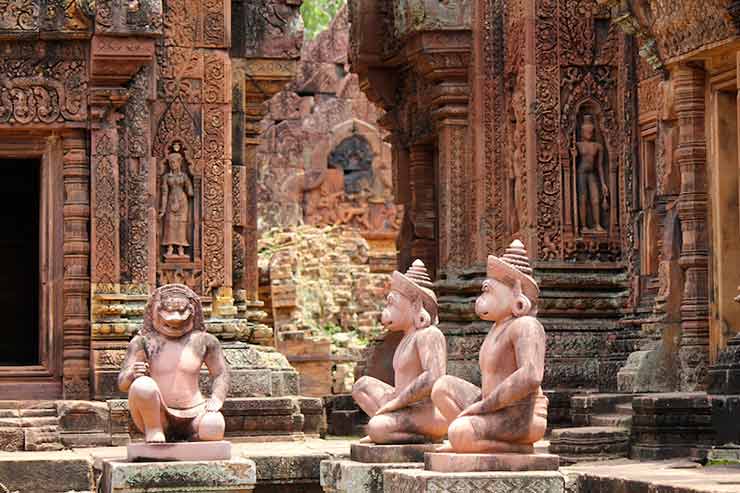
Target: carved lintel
column 116, row 60
column 442, row 55
column 266, row 77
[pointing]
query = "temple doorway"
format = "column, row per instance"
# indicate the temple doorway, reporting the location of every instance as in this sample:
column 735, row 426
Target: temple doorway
column 20, row 204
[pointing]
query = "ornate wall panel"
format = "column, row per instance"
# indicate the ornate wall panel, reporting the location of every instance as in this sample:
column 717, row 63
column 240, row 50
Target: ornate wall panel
column 76, row 313
column 547, row 115
column 43, row 83
column 104, row 203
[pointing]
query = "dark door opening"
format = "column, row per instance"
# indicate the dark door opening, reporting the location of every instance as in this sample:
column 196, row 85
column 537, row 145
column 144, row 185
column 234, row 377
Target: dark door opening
column 20, row 200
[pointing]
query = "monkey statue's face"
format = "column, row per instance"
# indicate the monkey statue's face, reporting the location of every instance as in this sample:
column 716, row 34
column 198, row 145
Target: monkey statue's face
column 399, row 312
column 495, row 301
column 173, row 316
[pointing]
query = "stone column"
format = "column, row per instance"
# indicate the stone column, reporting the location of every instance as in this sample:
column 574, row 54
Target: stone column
column 451, row 116
column 259, row 79
column 254, row 113
column 692, row 210
column 76, row 321
column 422, row 205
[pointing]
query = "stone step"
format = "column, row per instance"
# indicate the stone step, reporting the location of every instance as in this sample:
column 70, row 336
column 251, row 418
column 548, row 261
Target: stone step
column 42, row 439
column 600, row 403
column 28, row 422
column 589, row 443
column 48, row 472
column 625, row 409
column 616, row 420
column 39, row 413
column 585, row 406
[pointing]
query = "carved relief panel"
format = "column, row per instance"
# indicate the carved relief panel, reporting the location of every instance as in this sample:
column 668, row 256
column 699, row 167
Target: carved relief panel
column 583, row 173
column 43, row 83
column 191, row 146
column 516, row 123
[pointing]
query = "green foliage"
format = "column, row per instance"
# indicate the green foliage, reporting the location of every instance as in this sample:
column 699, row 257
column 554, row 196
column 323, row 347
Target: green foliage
column 331, row 329
column 317, row 14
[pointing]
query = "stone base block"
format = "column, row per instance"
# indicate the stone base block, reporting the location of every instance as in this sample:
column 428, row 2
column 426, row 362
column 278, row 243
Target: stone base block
column 347, row 476
column 37, row 473
column 589, row 444
column 383, row 454
column 670, row 425
column 446, row 462
column 414, row 481
column 182, row 451
column 232, row 476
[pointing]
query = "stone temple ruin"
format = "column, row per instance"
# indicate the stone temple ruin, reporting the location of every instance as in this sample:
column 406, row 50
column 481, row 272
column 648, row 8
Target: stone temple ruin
column 283, row 180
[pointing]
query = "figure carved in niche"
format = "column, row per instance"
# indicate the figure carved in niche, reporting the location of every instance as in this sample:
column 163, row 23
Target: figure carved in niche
column 162, row 369
column 591, row 190
column 405, row 414
column 509, row 412
column 176, row 191
column 355, row 157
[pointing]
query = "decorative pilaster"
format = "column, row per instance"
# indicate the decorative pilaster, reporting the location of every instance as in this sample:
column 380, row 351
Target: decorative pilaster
column 76, row 321
column 692, row 209
column 217, row 193
column 105, row 242
column 452, row 126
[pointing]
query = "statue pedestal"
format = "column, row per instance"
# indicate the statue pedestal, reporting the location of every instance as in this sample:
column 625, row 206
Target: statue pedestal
column 384, row 454
column 474, row 482
column 180, row 451
column 447, row 462
column 364, row 473
column 348, row 476
column 230, row 476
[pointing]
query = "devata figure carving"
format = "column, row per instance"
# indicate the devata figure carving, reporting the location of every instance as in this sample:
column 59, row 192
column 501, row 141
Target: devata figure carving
column 162, row 367
column 509, row 413
column 176, row 190
column 405, row 414
column 589, row 161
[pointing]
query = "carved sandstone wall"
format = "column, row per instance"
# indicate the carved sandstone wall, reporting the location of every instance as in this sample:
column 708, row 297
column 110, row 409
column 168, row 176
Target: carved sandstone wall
column 512, row 119
column 143, row 113
column 323, row 159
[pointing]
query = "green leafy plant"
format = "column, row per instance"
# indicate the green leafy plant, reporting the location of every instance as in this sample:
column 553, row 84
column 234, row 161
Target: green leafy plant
column 318, row 14
column 331, row 329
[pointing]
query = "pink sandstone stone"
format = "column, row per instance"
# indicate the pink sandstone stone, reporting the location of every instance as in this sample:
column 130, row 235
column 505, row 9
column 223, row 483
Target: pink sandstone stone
column 447, row 462
column 384, row 454
column 405, row 413
column 181, row 451
column 162, row 368
column 508, row 413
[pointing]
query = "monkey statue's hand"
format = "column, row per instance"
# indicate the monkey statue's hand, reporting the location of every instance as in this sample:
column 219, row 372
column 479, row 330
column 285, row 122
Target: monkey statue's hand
column 213, row 405
column 141, row 369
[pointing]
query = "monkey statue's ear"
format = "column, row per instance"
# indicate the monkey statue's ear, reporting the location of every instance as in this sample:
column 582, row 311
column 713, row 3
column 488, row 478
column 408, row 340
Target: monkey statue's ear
column 522, row 306
column 422, row 320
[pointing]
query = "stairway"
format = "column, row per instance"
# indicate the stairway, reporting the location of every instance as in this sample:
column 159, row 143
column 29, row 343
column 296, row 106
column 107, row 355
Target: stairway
column 343, row 416
column 621, row 418
column 29, row 426
column 602, row 431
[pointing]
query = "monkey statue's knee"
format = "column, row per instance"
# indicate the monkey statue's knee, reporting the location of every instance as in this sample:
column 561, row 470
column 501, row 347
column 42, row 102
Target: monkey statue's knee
column 380, row 427
column 441, row 388
column 211, row 427
column 144, row 389
column 360, row 386
column 461, row 434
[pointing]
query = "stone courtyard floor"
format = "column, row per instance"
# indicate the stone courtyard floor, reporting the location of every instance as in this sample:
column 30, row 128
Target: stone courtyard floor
column 293, row 466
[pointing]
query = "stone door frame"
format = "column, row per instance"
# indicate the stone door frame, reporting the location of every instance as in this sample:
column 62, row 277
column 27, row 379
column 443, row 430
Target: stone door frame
column 44, row 380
